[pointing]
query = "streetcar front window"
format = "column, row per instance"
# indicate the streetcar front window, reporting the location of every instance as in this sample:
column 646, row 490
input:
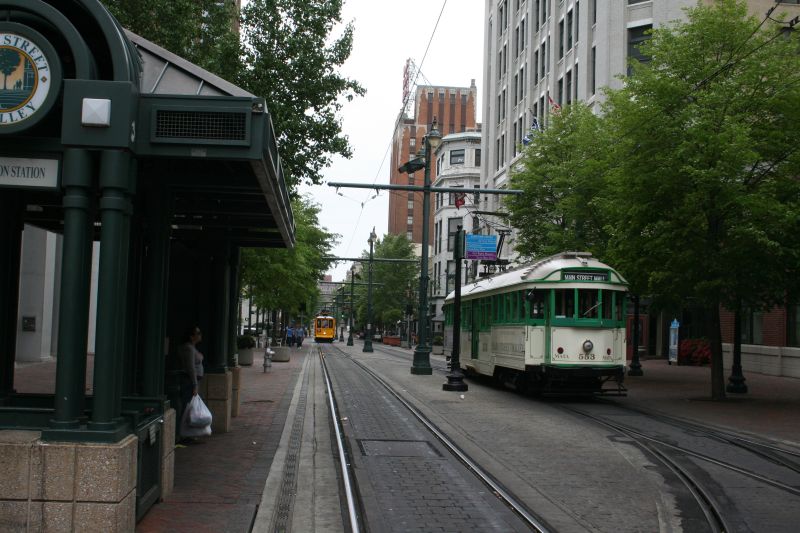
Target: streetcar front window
column 608, row 305
column 588, row 303
column 565, row 303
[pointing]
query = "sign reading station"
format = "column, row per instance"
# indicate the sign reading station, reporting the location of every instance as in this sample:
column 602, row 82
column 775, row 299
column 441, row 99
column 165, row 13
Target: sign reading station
column 23, row 172
column 30, row 77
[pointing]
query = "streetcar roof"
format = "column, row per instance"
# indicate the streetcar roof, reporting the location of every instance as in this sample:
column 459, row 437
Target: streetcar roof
column 543, row 270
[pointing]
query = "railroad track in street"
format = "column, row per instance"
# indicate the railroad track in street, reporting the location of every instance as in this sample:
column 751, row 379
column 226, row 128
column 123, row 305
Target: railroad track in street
column 683, row 447
column 522, row 512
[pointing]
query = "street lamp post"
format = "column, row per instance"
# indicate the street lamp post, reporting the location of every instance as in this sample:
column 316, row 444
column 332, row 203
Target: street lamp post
column 455, row 379
column 422, row 352
column 352, row 305
column 368, row 340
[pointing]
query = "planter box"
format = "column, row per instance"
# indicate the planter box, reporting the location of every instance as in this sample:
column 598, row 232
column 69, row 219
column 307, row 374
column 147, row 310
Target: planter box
column 391, row 341
column 437, row 350
column 245, row 356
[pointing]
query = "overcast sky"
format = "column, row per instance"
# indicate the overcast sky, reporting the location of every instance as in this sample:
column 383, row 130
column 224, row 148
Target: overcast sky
column 386, row 34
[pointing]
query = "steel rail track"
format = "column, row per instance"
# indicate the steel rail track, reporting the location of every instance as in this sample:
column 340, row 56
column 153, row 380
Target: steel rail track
column 768, row 451
column 639, row 435
column 713, row 514
column 351, row 503
column 534, row 522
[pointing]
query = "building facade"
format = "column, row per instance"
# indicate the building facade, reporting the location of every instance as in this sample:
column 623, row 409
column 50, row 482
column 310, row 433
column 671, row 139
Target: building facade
column 458, row 164
column 454, row 109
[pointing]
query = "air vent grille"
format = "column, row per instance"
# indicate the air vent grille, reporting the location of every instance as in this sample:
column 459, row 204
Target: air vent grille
column 201, row 125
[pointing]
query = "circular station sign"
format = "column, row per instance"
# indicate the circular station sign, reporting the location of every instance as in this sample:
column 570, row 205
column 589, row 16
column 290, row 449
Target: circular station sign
column 30, row 77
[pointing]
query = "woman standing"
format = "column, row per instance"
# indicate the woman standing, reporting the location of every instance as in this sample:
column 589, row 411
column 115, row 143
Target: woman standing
column 191, row 365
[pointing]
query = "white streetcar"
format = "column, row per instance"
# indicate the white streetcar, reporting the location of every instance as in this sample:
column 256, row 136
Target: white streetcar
column 553, row 326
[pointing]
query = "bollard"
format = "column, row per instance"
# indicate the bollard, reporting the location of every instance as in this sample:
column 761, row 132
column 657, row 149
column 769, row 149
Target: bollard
column 268, row 355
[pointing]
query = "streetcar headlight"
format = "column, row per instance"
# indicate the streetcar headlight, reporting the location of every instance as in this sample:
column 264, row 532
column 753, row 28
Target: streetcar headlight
column 587, row 346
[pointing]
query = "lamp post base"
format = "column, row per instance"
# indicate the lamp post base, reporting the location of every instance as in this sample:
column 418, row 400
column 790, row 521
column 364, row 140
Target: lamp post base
column 736, row 384
column 350, row 339
column 367, row 345
column 422, row 362
column 635, row 368
column 455, row 382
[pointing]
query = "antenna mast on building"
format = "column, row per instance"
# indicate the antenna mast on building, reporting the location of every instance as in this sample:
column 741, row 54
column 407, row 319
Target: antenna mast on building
column 409, row 75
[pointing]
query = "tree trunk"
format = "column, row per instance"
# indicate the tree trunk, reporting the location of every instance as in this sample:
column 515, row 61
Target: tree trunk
column 717, row 371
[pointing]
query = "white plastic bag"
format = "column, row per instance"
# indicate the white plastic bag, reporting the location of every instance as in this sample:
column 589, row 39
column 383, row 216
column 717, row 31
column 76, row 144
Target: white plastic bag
column 196, row 421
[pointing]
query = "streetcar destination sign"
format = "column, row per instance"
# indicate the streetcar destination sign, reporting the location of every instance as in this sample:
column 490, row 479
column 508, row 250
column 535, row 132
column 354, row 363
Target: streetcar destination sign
column 24, row 172
column 583, row 275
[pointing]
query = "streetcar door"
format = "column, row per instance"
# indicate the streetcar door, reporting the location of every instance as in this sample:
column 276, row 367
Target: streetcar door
column 475, row 328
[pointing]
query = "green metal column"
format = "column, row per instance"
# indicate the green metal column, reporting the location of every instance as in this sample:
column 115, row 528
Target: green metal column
column 220, row 302
column 233, row 315
column 114, row 209
column 154, row 290
column 10, row 252
column 76, row 266
column 126, row 300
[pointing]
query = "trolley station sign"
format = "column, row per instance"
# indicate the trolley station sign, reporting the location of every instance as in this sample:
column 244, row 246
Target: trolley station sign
column 24, row 172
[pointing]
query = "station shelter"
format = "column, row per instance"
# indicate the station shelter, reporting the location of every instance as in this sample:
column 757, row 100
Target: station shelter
column 107, row 138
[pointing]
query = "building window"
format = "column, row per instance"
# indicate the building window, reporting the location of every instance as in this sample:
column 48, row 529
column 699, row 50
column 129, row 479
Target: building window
column 594, row 12
column 577, row 20
column 793, row 321
column 561, row 39
column 452, row 228
column 560, row 92
column 569, row 30
column 477, row 157
column 594, row 69
column 568, row 98
column 410, row 235
column 410, row 205
column 752, row 322
column 636, row 36
column 536, row 67
column 457, row 157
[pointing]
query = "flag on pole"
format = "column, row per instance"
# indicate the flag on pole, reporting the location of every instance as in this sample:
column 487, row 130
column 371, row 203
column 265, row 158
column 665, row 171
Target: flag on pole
column 535, row 125
column 554, row 107
column 459, row 199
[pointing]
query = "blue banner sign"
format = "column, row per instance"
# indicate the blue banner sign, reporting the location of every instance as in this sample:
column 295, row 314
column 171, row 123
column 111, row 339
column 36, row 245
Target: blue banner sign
column 481, row 247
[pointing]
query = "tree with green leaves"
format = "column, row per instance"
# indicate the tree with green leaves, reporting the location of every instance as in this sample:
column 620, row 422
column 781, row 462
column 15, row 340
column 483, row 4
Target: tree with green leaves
column 391, row 280
column 277, row 278
column 200, row 31
column 706, row 179
column 292, row 59
column 288, row 54
column 562, row 176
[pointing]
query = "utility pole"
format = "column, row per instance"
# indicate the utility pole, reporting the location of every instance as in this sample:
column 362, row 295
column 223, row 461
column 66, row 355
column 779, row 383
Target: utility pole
column 422, row 352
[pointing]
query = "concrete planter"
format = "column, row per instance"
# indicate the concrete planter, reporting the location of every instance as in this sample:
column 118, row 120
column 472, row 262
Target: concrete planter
column 437, row 349
column 245, row 356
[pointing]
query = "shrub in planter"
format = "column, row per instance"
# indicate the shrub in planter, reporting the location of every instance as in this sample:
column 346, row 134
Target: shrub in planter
column 245, row 341
column 438, row 340
column 694, row 352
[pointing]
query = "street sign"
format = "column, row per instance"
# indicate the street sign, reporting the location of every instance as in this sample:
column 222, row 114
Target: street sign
column 481, row 247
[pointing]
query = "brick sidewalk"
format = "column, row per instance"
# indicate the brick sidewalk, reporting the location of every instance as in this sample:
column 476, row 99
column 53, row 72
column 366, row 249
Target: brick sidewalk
column 218, row 483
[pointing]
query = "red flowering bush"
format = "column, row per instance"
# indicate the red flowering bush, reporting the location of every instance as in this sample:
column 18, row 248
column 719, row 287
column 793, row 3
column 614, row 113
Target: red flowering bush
column 694, row 352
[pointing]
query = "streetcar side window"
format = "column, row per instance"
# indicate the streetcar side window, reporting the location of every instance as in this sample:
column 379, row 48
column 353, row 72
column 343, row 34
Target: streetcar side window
column 588, row 303
column 564, row 303
column 619, row 304
column 536, row 302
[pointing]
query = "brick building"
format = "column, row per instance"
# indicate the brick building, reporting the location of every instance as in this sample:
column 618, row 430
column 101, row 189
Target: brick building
column 454, row 109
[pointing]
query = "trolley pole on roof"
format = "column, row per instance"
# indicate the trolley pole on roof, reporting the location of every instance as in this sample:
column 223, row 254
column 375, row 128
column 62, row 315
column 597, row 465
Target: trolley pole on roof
column 422, row 352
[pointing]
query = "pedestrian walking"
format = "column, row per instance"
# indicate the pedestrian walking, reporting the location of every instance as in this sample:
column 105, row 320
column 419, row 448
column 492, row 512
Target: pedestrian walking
column 190, row 360
column 289, row 336
column 299, row 335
